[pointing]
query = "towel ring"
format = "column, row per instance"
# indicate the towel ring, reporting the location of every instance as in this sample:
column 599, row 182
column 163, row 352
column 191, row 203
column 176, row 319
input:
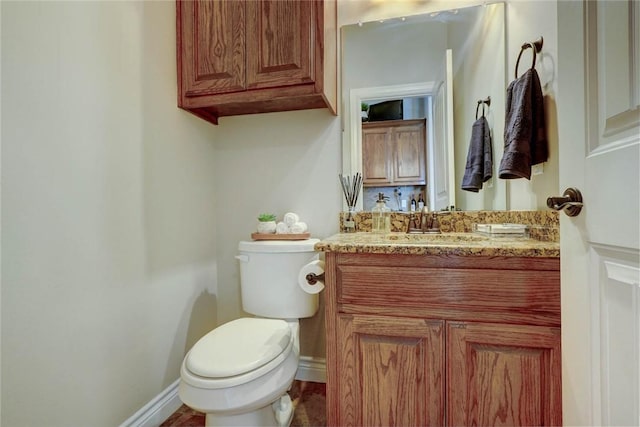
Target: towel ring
column 483, row 102
column 535, row 46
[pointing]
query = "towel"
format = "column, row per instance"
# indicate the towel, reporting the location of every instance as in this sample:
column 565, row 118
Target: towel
column 281, row 228
column 525, row 134
column 479, row 158
column 298, row 228
column 291, row 218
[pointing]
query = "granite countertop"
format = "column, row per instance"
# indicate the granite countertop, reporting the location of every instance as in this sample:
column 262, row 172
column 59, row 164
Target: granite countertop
column 462, row 244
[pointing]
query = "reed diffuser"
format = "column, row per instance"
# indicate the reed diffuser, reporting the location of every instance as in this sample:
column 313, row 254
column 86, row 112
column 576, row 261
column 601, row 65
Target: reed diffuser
column 351, row 190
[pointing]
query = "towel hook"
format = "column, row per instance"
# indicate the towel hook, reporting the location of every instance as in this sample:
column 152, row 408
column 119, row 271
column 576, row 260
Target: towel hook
column 535, row 46
column 483, row 102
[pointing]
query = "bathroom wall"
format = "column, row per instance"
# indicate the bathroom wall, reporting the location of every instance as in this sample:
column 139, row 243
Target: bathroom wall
column 121, row 214
column 278, row 162
column 109, row 202
column 479, row 72
column 362, row 66
column 527, row 20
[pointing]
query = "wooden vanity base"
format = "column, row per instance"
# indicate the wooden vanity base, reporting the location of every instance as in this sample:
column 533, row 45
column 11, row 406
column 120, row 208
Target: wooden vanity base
column 442, row 340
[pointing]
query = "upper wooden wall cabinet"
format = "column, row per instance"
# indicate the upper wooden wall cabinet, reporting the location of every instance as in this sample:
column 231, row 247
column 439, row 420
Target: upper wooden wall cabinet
column 245, row 57
column 393, row 153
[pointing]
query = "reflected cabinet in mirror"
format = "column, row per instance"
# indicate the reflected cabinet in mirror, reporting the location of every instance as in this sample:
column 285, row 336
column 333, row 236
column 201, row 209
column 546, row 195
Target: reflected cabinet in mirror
column 431, row 68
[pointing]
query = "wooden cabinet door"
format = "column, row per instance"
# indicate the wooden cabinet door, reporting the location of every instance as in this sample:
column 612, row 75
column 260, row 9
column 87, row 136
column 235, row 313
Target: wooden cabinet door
column 393, row 153
column 256, row 56
column 391, row 372
column 409, row 146
column 376, row 156
column 503, row 375
column 212, row 47
column 279, row 43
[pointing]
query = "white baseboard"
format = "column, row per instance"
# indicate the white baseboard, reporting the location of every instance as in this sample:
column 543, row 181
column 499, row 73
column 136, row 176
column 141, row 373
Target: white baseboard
column 157, row 410
column 167, row 402
column 312, row 369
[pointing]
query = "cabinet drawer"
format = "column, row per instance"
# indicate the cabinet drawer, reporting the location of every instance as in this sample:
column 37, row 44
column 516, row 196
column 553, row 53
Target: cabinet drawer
column 454, row 290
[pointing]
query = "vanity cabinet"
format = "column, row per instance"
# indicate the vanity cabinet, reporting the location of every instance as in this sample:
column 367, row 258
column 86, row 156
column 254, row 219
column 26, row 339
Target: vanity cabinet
column 245, row 57
column 503, row 374
column 442, row 340
column 393, row 153
column 391, row 371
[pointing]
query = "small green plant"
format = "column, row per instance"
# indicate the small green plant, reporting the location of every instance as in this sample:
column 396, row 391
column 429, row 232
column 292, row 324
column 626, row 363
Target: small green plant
column 266, row 217
column 364, row 106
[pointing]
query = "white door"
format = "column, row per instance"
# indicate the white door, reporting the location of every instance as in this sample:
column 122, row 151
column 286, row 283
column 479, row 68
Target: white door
column 599, row 135
column 441, row 156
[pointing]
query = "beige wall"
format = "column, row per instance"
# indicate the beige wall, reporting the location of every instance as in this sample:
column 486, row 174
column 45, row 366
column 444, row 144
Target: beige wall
column 527, row 20
column 121, row 214
column 108, row 212
column 278, row 162
column 479, row 72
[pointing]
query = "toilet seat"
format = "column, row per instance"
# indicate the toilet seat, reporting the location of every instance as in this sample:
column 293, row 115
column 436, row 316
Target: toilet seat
column 237, row 352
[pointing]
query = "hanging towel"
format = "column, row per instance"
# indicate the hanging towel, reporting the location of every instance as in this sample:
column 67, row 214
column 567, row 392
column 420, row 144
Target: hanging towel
column 479, row 158
column 525, row 134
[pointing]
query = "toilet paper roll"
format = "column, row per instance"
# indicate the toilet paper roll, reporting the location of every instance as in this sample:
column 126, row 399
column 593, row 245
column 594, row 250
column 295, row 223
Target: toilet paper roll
column 314, row 268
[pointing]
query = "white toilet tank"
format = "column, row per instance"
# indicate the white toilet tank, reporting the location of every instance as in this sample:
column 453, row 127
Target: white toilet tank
column 269, row 278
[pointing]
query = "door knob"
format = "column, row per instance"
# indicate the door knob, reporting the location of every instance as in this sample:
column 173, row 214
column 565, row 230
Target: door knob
column 570, row 202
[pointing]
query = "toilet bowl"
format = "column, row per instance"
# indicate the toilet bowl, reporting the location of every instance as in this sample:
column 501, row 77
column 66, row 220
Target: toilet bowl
column 239, row 373
column 236, row 372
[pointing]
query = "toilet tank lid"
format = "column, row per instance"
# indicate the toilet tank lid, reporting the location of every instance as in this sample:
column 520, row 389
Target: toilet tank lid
column 239, row 346
column 278, row 246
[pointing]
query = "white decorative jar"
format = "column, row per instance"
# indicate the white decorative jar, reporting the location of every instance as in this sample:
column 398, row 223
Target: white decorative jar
column 266, row 227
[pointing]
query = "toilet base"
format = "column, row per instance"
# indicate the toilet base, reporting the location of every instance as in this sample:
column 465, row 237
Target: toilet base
column 277, row 414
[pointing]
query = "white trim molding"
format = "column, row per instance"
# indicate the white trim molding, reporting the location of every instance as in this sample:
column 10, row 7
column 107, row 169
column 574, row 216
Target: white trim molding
column 167, row 402
column 312, row 369
column 157, row 410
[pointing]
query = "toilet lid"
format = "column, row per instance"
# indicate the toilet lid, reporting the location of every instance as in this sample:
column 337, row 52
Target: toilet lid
column 239, row 346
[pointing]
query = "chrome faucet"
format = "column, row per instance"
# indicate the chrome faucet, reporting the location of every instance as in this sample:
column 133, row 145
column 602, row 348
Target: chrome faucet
column 423, row 222
column 429, row 221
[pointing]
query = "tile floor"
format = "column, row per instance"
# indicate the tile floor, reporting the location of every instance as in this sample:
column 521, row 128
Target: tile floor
column 308, row 399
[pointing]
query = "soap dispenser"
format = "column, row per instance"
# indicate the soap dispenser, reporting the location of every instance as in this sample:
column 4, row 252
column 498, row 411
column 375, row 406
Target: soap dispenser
column 381, row 215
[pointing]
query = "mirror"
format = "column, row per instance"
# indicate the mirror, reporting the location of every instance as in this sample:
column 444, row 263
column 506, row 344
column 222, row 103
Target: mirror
column 409, row 59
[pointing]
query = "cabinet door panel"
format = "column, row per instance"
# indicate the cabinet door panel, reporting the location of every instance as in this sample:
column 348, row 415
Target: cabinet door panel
column 392, row 371
column 213, row 52
column 402, row 161
column 279, row 43
column 503, row 375
column 376, row 152
column 409, row 156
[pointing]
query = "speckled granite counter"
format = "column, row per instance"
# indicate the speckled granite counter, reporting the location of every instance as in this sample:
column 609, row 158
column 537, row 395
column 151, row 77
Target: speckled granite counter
column 543, row 225
column 462, row 244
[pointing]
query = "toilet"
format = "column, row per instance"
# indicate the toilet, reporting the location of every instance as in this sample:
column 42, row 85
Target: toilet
column 239, row 373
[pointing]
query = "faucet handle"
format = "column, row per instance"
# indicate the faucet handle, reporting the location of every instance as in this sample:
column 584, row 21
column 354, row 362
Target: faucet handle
column 426, row 220
column 414, row 222
column 435, row 225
